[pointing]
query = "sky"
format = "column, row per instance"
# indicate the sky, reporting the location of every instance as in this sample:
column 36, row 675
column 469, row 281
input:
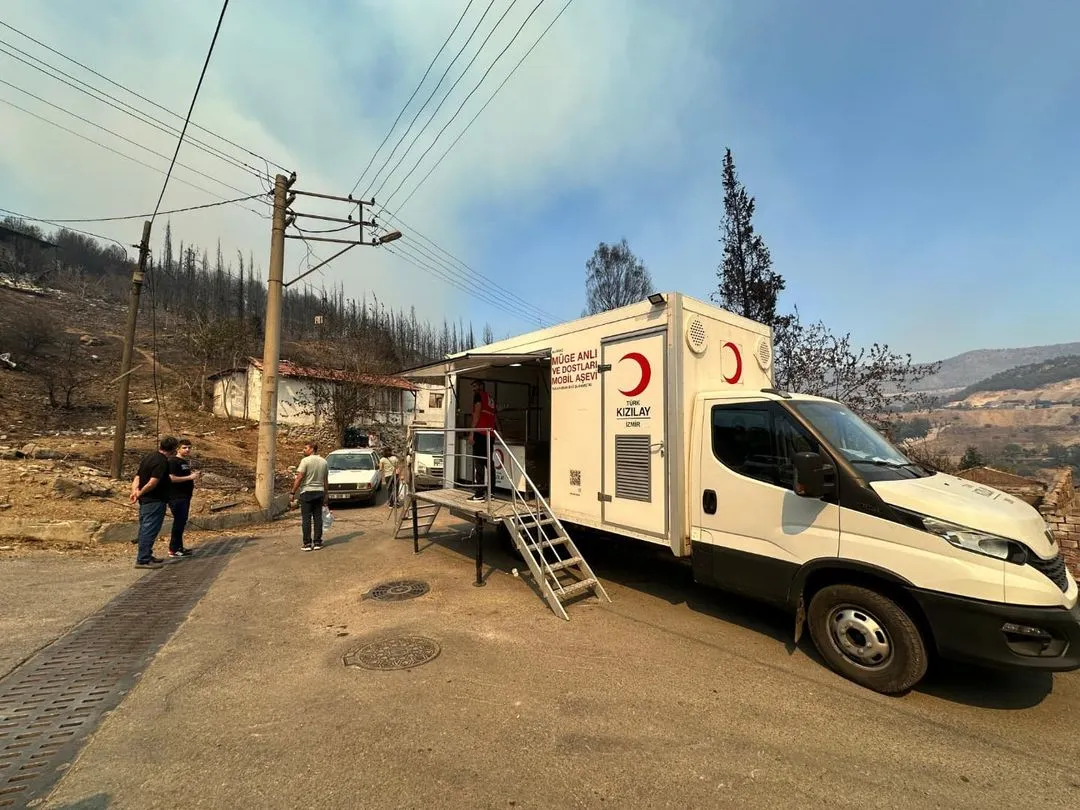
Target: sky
column 914, row 165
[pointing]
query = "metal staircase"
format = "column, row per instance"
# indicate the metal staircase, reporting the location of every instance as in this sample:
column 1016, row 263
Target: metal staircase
column 555, row 562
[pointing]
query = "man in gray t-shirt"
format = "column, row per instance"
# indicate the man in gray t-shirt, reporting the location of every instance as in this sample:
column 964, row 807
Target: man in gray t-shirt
column 310, row 482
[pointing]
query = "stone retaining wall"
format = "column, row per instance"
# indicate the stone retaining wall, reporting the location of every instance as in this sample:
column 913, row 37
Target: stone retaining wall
column 87, row 532
column 1061, row 509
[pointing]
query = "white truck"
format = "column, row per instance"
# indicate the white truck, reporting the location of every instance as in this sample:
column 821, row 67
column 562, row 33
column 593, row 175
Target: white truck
column 659, row 421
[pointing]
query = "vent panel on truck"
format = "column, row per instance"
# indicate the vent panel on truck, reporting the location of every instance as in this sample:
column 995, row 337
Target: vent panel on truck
column 763, row 352
column 696, row 337
column 633, row 468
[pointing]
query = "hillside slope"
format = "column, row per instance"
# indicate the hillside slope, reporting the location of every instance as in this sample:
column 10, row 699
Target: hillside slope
column 975, row 366
column 1032, row 377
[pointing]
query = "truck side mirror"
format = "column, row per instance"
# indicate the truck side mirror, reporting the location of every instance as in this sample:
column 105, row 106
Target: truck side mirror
column 810, row 471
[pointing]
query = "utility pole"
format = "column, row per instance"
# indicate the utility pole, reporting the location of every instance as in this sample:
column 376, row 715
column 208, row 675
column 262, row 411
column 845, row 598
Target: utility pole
column 283, row 218
column 267, row 453
column 129, row 349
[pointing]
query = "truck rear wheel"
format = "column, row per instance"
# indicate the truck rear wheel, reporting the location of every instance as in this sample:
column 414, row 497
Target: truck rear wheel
column 867, row 638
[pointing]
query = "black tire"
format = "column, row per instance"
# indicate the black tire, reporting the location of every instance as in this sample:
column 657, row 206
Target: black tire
column 868, row 638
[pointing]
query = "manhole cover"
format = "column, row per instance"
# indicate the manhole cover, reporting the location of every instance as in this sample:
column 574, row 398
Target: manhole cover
column 393, row 653
column 398, row 591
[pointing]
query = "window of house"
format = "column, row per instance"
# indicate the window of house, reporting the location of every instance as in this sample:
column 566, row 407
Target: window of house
column 760, row 441
column 435, row 399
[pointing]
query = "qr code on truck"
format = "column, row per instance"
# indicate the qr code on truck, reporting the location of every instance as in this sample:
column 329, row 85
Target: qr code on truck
column 575, row 478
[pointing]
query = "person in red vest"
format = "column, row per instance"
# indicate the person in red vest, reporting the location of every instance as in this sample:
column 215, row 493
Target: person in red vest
column 484, row 419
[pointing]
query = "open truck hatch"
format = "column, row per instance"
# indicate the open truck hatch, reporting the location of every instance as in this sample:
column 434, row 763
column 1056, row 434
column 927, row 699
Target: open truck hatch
column 471, row 363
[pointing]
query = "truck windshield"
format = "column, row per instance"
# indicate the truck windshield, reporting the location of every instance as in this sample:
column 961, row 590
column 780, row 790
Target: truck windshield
column 350, row 461
column 851, row 436
column 429, row 443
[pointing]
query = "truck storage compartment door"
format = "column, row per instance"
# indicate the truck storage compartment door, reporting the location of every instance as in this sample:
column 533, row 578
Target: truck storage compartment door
column 634, row 430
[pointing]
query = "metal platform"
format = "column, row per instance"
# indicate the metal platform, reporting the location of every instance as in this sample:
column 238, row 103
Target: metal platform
column 457, row 503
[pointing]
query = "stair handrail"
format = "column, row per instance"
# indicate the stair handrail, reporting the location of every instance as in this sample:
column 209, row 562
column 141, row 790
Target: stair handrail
column 536, row 516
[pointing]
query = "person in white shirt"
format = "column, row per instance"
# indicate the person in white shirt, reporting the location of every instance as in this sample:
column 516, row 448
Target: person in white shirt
column 311, row 483
column 388, row 467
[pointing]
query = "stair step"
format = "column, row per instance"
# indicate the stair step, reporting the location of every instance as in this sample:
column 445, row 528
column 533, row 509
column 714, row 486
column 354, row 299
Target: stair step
column 528, row 525
column 575, row 589
column 557, row 541
column 561, row 564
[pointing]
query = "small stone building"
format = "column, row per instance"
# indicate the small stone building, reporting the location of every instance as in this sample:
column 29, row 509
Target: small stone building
column 1057, row 503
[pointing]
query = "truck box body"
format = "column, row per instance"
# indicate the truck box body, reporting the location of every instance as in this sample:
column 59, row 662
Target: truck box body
column 614, row 405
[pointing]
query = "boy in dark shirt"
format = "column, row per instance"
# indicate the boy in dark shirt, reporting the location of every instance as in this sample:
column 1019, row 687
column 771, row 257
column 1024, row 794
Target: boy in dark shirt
column 183, row 487
column 151, row 490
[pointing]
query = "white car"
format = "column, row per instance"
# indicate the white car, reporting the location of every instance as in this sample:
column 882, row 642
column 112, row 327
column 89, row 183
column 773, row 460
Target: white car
column 353, row 476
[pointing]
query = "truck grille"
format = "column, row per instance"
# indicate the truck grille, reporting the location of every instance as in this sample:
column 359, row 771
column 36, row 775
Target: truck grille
column 342, row 487
column 1053, row 569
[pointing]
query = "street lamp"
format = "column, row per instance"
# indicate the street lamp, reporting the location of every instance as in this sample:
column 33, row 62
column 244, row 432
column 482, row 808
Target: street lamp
column 388, row 237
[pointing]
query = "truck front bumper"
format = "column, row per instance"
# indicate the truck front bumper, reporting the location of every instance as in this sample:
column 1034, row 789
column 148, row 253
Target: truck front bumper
column 993, row 634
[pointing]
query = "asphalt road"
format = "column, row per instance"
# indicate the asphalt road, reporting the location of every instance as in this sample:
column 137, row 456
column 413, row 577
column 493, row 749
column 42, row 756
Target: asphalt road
column 670, row 696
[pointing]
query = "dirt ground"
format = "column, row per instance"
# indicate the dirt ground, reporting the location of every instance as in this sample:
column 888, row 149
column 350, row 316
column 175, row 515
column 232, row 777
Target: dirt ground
column 81, row 437
column 671, row 695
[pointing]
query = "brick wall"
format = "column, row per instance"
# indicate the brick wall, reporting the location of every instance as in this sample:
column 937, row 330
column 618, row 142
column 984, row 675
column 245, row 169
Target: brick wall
column 1061, row 509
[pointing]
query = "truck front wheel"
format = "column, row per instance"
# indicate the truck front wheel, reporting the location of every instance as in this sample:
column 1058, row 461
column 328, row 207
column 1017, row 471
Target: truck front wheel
column 867, row 638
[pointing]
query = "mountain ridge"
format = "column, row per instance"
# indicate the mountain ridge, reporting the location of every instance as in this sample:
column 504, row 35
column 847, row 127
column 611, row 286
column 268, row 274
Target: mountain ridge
column 967, row 369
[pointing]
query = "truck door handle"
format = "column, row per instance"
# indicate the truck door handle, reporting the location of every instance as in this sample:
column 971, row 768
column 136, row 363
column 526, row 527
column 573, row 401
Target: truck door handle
column 708, row 502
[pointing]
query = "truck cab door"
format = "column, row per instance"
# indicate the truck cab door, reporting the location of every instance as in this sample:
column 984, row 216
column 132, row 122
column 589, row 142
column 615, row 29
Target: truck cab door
column 750, row 532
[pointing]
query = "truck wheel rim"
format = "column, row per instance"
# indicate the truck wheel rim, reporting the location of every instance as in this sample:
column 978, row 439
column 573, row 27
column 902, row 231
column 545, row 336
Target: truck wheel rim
column 860, row 637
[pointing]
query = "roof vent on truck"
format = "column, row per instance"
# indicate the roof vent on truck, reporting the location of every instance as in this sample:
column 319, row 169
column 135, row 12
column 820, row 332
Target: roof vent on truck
column 763, row 353
column 696, row 337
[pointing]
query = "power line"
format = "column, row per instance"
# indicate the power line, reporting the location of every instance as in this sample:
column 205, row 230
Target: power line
column 114, row 151
column 465, row 101
column 144, row 216
column 479, row 293
column 123, row 106
column 493, row 291
column 449, row 92
column 118, row 135
column 191, row 108
column 485, row 106
column 56, row 224
column 489, row 282
column 423, row 78
column 141, row 97
column 427, row 101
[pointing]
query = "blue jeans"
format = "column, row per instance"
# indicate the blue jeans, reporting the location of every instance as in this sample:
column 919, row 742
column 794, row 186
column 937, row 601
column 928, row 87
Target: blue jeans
column 151, row 516
column 180, row 510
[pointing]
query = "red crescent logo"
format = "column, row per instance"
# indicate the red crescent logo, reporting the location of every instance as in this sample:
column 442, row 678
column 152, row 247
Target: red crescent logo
column 646, row 373
column 734, row 378
column 497, row 458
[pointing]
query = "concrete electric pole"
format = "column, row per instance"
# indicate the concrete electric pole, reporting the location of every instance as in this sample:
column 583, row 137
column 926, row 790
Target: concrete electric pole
column 267, row 454
column 283, row 218
column 124, row 379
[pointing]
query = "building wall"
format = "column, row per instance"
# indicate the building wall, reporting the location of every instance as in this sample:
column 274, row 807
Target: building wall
column 238, row 396
column 231, row 396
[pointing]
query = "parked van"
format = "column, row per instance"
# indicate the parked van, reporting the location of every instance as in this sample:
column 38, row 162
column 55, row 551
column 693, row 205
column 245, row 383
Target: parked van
column 659, row 421
column 427, row 456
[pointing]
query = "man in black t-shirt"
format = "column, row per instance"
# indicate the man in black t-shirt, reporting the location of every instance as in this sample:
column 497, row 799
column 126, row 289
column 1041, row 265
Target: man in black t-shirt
column 183, row 487
column 151, row 489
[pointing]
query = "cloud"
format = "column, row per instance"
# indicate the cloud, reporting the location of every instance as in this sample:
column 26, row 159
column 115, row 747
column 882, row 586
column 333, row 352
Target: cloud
column 315, row 86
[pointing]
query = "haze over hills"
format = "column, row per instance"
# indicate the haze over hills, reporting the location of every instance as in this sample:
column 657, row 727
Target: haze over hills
column 972, row 367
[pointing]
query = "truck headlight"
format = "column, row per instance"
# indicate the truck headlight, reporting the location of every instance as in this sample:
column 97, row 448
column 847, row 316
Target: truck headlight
column 989, row 545
column 421, row 468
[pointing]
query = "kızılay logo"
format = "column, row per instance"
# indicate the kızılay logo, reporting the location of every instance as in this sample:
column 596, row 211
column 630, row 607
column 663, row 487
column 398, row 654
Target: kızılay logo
column 734, row 378
column 646, row 373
